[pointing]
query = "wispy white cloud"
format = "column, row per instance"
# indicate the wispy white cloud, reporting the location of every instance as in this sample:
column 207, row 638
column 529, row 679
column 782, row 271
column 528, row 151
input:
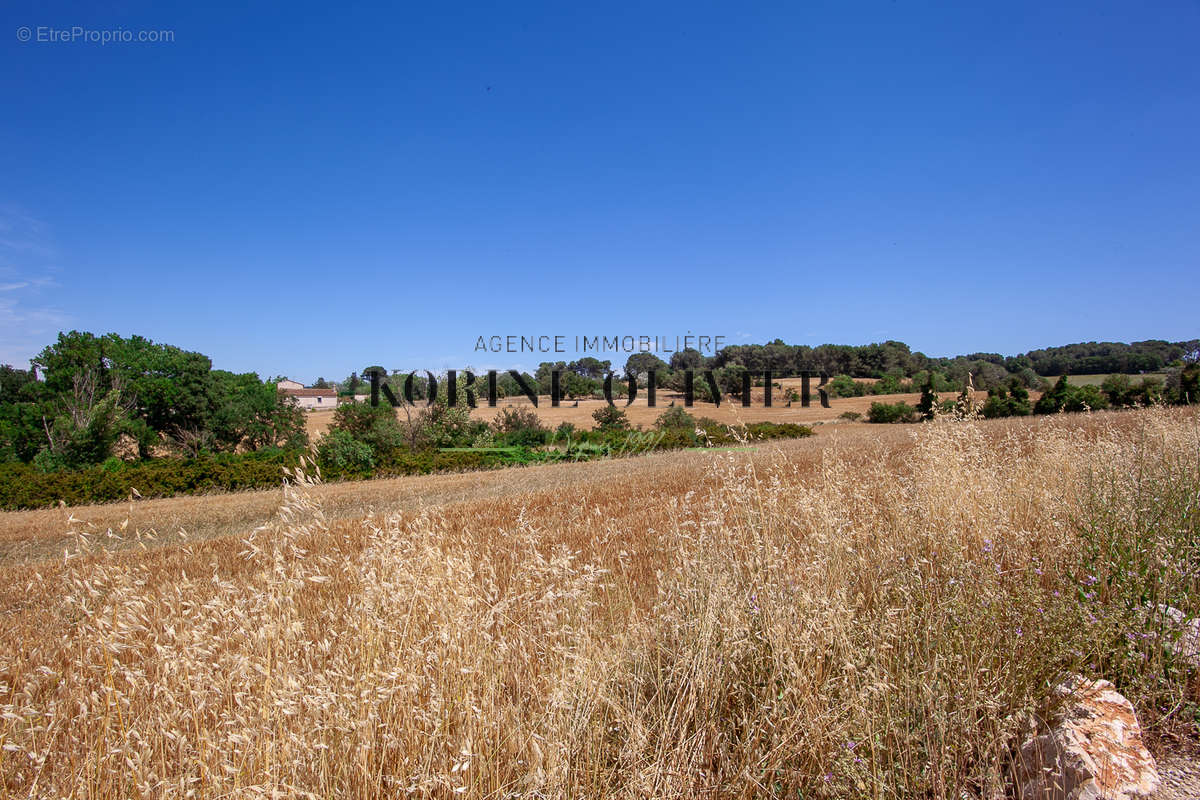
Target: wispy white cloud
column 29, row 320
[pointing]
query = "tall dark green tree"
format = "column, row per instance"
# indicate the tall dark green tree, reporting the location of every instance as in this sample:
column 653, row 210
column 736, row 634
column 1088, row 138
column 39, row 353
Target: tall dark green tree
column 928, row 403
column 688, row 358
column 13, row 382
column 98, row 387
column 589, row 367
column 641, row 363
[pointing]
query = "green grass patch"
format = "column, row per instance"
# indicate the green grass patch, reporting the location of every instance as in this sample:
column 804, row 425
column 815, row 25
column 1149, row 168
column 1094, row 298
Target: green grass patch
column 1096, row 380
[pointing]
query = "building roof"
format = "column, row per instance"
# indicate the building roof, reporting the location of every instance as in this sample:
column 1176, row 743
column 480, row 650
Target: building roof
column 309, row 392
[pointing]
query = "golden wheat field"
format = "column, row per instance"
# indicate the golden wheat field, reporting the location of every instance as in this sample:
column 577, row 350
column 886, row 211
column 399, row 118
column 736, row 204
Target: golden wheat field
column 877, row 611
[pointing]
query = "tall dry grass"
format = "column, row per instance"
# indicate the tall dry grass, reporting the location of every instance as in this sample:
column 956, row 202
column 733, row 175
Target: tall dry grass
column 885, row 625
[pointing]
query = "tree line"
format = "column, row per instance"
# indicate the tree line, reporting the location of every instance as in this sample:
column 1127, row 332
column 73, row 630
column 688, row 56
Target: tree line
column 893, row 366
column 896, row 360
column 1180, row 386
column 88, row 398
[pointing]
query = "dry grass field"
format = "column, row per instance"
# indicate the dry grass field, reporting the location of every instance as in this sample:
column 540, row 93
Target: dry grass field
column 878, row 611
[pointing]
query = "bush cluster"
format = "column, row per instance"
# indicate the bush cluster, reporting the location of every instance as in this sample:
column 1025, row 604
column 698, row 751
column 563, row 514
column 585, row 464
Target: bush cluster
column 25, row 486
column 1067, row 397
column 519, row 427
column 104, row 396
column 1012, row 400
column 1007, row 402
column 892, row 412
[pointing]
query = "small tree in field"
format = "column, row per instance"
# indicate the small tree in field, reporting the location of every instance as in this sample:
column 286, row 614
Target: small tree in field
column 339, row 450
column 892, row 412
column 610, row 418
column 520, row 426
column 517, row 418
column 675, row 418
column 928, row 400
column 375, row 426
column 1019, row 399
column 641, row 363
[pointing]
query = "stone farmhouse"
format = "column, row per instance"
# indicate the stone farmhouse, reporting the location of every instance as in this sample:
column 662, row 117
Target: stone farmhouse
column 309, row 399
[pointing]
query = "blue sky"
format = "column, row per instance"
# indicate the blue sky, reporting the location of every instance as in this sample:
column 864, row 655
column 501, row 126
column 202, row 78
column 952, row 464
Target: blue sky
column 306, row 189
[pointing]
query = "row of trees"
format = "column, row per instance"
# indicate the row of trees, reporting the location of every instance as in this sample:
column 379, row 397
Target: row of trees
column 87, row 398
column 891, row 357
column 1098, row 358
column 897, row 360
column 893, row 364
column 365, row 439
column 1181, row 387
column 362, row 436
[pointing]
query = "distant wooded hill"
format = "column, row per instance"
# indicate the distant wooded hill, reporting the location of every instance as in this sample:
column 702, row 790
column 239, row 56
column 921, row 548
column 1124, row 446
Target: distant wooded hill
column 892, row 357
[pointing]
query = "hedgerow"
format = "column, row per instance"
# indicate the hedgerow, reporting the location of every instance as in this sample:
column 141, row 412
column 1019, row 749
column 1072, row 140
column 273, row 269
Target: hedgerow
column 24, row 486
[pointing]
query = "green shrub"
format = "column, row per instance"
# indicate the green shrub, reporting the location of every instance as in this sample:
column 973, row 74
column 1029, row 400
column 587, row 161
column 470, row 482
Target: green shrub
column 440, row 425
column 892, row 383
column 892, row 412
column 844, row 386
column 677, row 437
column 1187, row 390
column 339, row 451
column 520, row 427
column 1122, row 391
column 675, row 417
column 517, row 418
column 24, row 486
column 1010, row 402
column 1065, row 397
column 340, row 456
column 46, row 461
column 1086, row 398
column 484, row 438
column 610, row 418
column 375, row 426
column 524, row 437
column 778, row 430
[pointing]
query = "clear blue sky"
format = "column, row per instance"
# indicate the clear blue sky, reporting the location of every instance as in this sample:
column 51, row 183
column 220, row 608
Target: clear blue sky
column 305, row 189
